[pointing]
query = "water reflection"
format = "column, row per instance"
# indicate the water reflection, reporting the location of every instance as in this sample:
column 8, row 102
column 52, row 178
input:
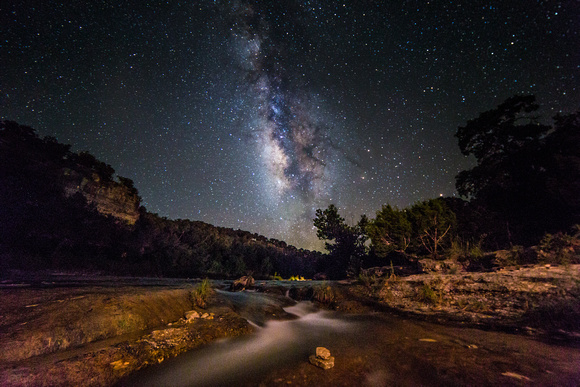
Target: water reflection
column 244, row 359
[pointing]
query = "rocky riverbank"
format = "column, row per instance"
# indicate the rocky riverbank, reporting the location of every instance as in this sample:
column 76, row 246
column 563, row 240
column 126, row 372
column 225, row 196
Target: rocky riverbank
column 93, row 336
column 96, row 334
column 537, row 300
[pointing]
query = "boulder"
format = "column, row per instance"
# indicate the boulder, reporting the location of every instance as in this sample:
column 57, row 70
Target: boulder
column 433, row 266
column 322, row 363
column 322, row 359
column 322, row 353
column 320, row 277
column 429, row 265
column 191, row 315
column 245, row 282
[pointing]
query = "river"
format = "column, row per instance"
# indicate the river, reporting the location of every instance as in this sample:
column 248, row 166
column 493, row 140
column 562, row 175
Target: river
column 369, row 350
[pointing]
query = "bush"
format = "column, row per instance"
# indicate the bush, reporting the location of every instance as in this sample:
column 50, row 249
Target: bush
column 201, row 293
column 323, row 293
column 365, row 279
column 559, row 248
column 428, row 295
column 511, row 257
column 277, row 277
column 465, row 251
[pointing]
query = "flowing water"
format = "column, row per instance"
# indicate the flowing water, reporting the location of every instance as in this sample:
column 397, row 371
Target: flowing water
column 371, row 350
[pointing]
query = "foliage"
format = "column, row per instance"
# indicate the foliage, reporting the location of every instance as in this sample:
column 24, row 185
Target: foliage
column 422, row 228
column 465, row 251
column 427, row 295
column 496, row 138
column 390, row 231
column 323, row 293
column 345, row 244
column 527, row 174
column 365, row 279
column 431, row 220
column 201, row 293
column 510, row 257
column 559, row 248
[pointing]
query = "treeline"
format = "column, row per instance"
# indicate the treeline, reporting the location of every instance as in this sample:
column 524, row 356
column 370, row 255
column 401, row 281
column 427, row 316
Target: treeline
column 523, row 192
column 65, row 210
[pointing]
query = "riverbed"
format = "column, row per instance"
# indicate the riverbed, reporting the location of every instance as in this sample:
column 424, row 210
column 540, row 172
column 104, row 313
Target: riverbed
column 370, row 350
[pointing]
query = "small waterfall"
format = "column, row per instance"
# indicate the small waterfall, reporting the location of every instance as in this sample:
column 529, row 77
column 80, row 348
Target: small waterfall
column 274, row 343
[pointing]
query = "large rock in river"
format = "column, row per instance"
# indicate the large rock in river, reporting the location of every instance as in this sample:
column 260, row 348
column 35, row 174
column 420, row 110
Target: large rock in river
column 245, row 282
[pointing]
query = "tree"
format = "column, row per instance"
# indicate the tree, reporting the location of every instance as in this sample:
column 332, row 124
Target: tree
column 345, row 244
column 432, row 220
column 502, row 145
column 526, row 172
column 390, row 231
column 563, row 170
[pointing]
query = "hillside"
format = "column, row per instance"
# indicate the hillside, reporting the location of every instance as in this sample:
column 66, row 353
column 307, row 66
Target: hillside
column 66, row 210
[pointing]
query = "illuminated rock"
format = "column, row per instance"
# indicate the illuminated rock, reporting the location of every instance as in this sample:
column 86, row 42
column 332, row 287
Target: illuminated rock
column 322, row 358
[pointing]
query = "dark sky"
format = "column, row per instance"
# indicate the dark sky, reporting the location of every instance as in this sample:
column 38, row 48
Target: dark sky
column 253, row 114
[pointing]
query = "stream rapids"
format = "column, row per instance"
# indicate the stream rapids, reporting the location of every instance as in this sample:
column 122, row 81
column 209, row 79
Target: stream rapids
column 370, row 350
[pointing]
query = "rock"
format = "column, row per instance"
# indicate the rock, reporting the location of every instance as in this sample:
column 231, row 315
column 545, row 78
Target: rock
column 242, row 283
column 319, row 277
column 429, row 265
column 322, row 358
column 191, row 315
column 322, row 353
column 322, row 363
column 300, row 293
column 432, row 266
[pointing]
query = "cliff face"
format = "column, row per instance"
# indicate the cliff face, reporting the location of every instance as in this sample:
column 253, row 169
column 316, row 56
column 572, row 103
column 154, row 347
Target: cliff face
column 109, row 197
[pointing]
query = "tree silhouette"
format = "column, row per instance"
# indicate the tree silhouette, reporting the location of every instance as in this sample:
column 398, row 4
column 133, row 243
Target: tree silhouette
column 390, row 231
column 526, row 172
column 431, row 220
column 345, row 244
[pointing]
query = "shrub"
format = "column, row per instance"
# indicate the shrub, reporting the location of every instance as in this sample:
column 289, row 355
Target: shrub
column 428, row 295
column 201, row 293
column 323, row 293
column 511, row 257
column 365, row 279
column 465, row 251
column 559, row 248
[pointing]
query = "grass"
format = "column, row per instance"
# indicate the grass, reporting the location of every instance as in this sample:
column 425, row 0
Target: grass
column 428, row 295
column 559, row 248
column 201, row 293
column 323, row 293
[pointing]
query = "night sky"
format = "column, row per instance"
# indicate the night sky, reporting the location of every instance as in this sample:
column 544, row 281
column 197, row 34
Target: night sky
column 253, row 114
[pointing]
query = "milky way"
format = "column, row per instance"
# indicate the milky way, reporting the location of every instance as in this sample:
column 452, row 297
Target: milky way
column 294, row 143
column 253, row 114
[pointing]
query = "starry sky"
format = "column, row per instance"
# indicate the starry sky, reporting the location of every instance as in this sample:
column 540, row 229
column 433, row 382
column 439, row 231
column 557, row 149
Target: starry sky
column 253, row 114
